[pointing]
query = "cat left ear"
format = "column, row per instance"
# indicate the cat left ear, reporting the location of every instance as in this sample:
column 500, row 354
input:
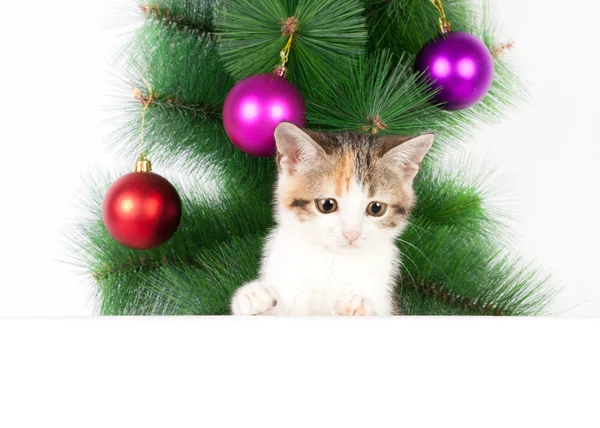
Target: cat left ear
column 407, row 153
column 294, row 146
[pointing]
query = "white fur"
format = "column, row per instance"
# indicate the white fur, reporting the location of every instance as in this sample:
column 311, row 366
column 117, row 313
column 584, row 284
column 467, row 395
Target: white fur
column 310, row 268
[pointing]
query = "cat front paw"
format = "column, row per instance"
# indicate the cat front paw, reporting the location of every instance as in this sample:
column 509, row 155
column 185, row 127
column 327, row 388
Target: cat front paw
column 253, row 298
column 354, row 306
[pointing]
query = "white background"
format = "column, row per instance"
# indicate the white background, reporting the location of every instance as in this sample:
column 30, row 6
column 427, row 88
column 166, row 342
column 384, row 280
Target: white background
column 57, row 87
column 286, row 373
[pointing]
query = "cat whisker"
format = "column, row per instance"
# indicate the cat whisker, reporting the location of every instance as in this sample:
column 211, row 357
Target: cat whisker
column 402, row 241
column 413, row 262
column 401, row 277
column 416, row 229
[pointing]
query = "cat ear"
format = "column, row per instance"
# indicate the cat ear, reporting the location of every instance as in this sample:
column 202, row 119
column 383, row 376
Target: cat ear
column 407, row 153
column 295, row 146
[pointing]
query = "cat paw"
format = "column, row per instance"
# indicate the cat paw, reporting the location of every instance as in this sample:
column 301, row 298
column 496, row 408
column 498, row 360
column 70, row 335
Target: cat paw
column 253, row 298
column 354, row 306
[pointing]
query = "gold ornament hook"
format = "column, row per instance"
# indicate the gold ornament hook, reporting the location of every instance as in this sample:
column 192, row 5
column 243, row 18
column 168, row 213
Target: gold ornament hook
column 281, row 69
column 445, row 26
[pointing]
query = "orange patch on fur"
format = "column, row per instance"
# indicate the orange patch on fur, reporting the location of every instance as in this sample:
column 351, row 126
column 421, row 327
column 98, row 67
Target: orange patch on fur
column 343, row 173
column 293, row 190
column 296, row 190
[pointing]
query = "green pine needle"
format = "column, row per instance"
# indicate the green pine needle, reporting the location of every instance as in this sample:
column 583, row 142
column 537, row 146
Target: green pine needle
column 329, row 32
column 455, row 253
column 378, row 86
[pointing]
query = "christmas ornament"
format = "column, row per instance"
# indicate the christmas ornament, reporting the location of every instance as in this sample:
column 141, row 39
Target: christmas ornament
column 458, row 64
column 141, row 210
column 257, row 104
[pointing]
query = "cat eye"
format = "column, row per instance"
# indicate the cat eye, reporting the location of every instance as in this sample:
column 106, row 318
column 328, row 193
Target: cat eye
column 376, row 209
column 326, row 205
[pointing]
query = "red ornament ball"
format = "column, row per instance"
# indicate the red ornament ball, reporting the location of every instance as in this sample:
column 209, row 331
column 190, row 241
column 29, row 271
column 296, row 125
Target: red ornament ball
column 141, row 210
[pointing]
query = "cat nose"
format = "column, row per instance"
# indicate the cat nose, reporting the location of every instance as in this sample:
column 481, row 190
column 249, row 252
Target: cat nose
column 351, row 236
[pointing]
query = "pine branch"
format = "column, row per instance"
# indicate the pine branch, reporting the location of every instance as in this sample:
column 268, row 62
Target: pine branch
column 472, row 265
column 445, row 252
column 206, row 221
column 439, row 292
column 194, row 17
column 177, row 66
column 183, row 126
column 500, row 49
column 384, row 87
column 139, row 265
column 453, row 197
column 166, row 16
column 185, row 131
column 197, row 146
column 167, row 102
column 377, row 88
column 452, row 250
column 326, row 33
column 202, row 288
column 404, row 26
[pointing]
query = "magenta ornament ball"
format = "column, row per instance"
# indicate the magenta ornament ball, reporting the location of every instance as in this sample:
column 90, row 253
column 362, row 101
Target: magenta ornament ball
column 255, row 106
column 460, row 65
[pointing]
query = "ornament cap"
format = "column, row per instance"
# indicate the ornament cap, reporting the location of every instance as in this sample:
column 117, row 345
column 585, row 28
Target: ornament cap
column 143, row 164
column 280, row 71
column 445, row 26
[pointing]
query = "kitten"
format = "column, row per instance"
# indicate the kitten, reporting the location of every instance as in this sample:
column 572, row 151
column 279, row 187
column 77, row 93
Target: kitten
column 342, row 199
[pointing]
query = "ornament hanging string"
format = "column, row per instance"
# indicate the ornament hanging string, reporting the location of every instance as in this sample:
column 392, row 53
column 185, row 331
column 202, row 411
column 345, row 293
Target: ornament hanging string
column 445, row 26
column 285, row 53
column 143, row 164
column 281, row 69
column 144, row 110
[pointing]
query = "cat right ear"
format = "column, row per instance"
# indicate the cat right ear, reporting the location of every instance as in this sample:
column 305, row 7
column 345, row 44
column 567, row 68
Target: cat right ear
column 294, row 147
column 406, row 153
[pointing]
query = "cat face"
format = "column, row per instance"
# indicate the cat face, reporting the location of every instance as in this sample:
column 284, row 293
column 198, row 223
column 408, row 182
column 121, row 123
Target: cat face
column 346, row 190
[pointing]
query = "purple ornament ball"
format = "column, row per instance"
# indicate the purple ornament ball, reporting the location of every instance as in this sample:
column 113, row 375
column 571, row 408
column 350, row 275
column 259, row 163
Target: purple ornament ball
column 461, row 66
column 254, row 108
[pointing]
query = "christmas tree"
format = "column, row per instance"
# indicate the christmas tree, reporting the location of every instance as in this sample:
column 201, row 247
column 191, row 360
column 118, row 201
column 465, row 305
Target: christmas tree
column 353, row 61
